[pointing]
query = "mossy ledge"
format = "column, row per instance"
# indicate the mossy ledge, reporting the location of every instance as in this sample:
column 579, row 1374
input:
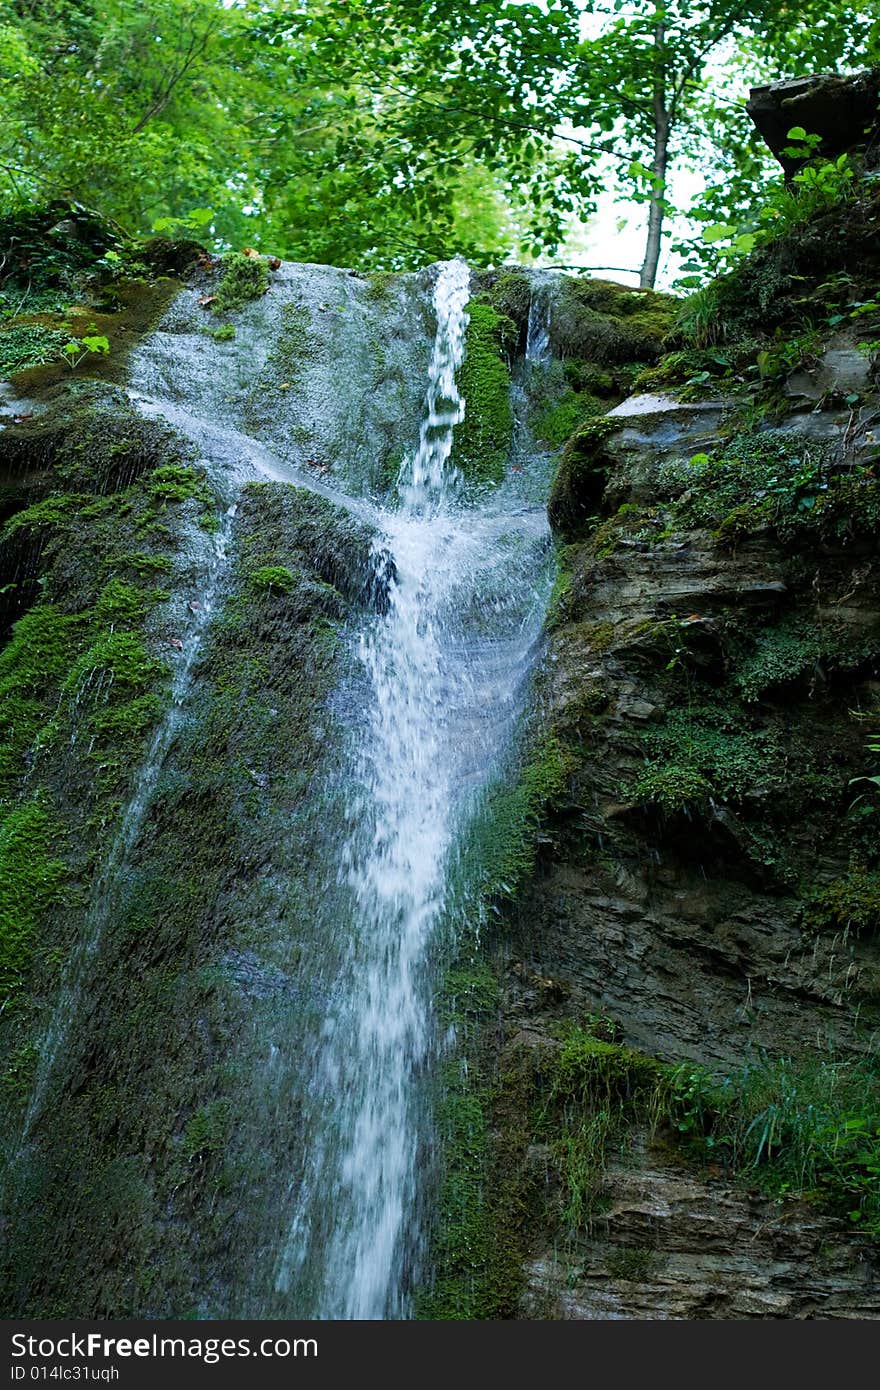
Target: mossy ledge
column 134, row 1162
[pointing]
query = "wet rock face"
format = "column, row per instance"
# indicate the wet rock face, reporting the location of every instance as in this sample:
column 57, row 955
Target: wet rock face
column 675, row 1245
column 674, row 907
column 842, row 110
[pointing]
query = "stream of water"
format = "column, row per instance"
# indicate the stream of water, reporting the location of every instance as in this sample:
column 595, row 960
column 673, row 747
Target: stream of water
column 441, row 684
column 445, row 671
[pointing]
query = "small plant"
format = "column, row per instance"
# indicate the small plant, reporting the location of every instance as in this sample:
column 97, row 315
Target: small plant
column 245, row 277
column 77, row 349
column 224, row 333
column 27, row 345
column 277, row 578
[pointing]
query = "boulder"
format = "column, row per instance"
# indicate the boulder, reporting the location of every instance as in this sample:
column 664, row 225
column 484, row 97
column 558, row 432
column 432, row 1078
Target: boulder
column 842, row 110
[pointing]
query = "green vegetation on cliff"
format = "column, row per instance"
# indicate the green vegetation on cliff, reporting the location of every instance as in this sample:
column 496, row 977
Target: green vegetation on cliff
column 482, row 440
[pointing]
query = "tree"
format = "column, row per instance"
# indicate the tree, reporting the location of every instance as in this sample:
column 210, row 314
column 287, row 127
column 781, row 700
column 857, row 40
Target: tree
column 394, row 132
column 145, row 112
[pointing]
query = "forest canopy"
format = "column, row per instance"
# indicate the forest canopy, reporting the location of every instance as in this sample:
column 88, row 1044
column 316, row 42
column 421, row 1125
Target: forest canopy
column 390, row 133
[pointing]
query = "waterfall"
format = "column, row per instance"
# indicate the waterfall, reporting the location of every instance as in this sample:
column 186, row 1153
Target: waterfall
column 318, row 976
column 444, row 670
column 538, row 330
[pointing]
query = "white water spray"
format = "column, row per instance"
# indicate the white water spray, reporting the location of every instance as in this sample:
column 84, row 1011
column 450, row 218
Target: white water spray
column 444, row 667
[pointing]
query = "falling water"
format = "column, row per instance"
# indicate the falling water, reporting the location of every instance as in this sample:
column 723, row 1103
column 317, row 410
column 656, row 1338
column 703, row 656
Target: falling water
column 538, row 331
column 444, row 669
column 104, row 898
column 426, row 722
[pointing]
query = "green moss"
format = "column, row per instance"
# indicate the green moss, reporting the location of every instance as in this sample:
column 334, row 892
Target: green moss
column 33, row 665
column 115, row 658
column 558, row 422
column 136, row 1166
column 289, row 357
column 850, row 904
column 469, row 993
column 174, row 482
column 207, row 1133
column 142, row 563
column 483, row 1206
column 460, row 1249
column 379, row 282
column 31, row 878
column 590, row 1071
column 27, row 345
column 558, row 603
column 592, row 379
column 502, row 843
column 222, row 334
column 91, row 440
column 579, row 486
column 511, row 295
column 632, row 1263
column 603, row 322
column 479, row 1248
column 43, row 516
column 276, row 577
column 481, row 442
column 244, row 278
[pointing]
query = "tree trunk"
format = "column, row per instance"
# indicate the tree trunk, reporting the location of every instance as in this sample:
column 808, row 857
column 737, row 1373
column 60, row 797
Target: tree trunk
column 656, row 207
column 662, row 122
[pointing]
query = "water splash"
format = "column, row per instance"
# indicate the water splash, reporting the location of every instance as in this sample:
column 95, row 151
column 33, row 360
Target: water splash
column 444, row 670
column 425, row 478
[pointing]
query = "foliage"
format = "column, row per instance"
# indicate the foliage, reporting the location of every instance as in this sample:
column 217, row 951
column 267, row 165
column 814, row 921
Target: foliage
column 799, row 648
column 31, row 875
column 818, row 186
column 671, row 787
column 593, row 1091
column 794, row 1128
column 849, row 904
column 390, row 132
column 802, row 1126
column 757, row 480
column 716, row 752
column 28, row 345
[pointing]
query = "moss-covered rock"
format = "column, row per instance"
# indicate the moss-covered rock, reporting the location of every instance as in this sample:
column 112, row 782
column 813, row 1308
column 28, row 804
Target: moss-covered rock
column 189, row 932
column 604, row 322
column 578, row 489
column 481, row 442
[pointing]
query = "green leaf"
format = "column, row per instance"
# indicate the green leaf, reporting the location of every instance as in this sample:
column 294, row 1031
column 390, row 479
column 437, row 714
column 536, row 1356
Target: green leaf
column 717, row 232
